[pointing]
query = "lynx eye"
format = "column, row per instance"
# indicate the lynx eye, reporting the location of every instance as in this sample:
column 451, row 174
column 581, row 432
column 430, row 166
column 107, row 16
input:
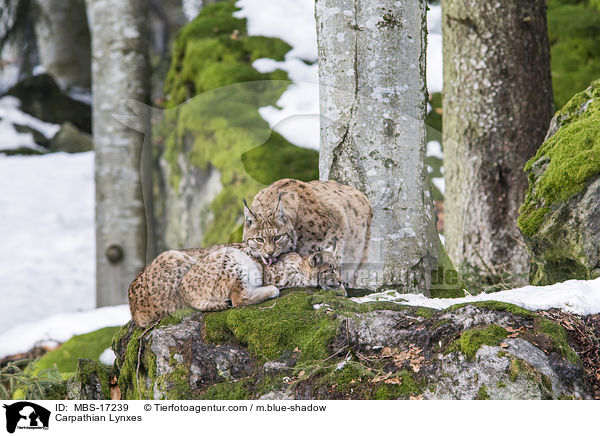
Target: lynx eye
column 278, row 238
column 259, row 240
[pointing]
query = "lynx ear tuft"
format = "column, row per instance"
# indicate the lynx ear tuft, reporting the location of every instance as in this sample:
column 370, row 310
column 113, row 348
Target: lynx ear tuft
column 279, row 212
column 248, row 214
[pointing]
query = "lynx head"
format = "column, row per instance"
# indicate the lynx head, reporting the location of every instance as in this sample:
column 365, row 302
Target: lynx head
column 269, row 235
column 323, row 269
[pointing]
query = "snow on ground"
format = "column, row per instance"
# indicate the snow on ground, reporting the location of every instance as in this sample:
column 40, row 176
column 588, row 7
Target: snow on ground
column 576, row 296
column 47, row 246
column 296, row 116
column 60, row 328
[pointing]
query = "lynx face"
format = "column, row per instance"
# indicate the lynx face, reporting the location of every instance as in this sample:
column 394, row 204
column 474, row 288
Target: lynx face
column 268, row 236
column 325, row 270
column 319, row 269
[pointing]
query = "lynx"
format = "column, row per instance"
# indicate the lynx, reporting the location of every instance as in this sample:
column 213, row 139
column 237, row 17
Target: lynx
column 220, row 277
column 291, row 215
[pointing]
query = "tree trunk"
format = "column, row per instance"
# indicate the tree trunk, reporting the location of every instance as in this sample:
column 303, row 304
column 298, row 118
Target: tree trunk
column 63, row 40
column 373, row 103
column 119, row 71
column 497, row 102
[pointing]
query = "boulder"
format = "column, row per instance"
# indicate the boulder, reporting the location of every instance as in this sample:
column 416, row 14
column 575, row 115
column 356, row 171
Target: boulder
column 311, row 344
column 560, row 217
column 41, row 98
column 71, row 140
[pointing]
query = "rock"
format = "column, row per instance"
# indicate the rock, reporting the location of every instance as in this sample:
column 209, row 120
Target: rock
column 560, row 217
column 41, row 97
column 214, row 147
column 90, row 382
column 70, row 139
column 290, row 350
column 38, row 137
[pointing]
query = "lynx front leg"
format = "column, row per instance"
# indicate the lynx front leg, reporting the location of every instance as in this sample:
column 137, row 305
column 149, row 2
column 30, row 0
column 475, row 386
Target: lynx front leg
column 256, row 295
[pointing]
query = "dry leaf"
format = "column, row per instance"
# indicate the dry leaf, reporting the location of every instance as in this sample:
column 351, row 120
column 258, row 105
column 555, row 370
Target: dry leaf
column 503, row 345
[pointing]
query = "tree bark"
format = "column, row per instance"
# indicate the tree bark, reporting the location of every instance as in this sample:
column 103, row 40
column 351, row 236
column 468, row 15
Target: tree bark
column 63, row 40
column 497, row 102
column 119, row 71
column 373, row 105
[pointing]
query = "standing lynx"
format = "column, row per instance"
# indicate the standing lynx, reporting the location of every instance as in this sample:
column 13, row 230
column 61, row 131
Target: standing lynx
column 291, row 215
column 219, row 277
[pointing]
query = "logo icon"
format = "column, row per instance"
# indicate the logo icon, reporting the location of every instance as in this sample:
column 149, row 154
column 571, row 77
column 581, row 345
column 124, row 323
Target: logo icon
column 26, row 415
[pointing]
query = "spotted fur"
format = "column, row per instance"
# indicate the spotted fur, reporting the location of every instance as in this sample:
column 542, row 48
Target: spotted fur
column 220, row 277
column 291, row 215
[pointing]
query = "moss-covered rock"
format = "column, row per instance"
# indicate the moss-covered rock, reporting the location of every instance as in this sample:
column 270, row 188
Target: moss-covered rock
column 41, row 97
column 212, row 145
column 90, row 381
column 310, row 344
column 560, row 217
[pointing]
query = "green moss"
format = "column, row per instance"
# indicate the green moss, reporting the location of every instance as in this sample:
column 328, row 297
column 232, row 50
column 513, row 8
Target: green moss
column 220, row 126
column 409, row 386
column 557, row 336
column 345, row 380
column 425, row 312
column 174, row 385
column 571, row 158
column 86, row 346
column 520, row 368
column 482, row 394
column 499, row 306
column 530, row 220
column 270, row 328
column 574, row 35
column 126, row 367
column 176, row 317
column 238, row 390
column 89, row 371
column 471, row 340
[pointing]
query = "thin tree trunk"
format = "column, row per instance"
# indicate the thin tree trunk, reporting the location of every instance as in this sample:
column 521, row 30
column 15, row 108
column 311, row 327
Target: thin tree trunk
column 373, row 103
column 63, row 40
column 497, row 102
column 119, row 71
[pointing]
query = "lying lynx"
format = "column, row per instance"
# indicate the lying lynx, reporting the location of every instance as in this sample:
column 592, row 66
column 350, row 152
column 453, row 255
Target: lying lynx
column 220, row 277
column 291, row 215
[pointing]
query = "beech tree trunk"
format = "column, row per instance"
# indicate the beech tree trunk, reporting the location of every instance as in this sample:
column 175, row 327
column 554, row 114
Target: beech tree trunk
column 497, row 102
column 119, row 71
column 63, row 40
column 373, row 105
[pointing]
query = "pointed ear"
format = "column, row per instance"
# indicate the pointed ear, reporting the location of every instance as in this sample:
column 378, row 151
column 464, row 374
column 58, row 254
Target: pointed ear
column 279, row 212
column 315, row 259
column 248, row 214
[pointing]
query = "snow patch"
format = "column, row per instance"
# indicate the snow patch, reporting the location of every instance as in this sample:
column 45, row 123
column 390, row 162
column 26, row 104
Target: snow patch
column 60, row 328
column 581, row 297
column 108, row 357
column 47, row 260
